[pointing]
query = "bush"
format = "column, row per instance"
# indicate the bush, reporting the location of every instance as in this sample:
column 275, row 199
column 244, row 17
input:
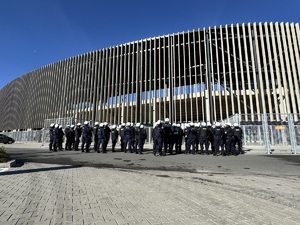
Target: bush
column 4, row 157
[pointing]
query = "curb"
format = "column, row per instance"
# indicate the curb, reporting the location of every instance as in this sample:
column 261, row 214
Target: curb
column 8, row 164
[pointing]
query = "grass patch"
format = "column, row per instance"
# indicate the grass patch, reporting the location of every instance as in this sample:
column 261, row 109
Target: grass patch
column 4, row 157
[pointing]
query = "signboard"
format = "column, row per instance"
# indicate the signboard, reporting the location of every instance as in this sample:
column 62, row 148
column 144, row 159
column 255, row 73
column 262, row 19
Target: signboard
column 279, row 127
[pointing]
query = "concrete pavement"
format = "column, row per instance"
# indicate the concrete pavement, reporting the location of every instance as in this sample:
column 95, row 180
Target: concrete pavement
column 38, row 193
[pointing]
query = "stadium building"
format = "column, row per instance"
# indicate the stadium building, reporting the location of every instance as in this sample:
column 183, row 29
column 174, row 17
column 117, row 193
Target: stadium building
column 207, row 74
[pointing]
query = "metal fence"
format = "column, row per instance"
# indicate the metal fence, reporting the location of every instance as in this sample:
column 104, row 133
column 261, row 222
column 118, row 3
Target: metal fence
column 25, row 136
column 270, row 130
column 261, row 129
column 61, row 121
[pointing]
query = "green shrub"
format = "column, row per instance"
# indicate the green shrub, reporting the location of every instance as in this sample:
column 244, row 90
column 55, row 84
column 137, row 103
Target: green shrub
column 4, row 157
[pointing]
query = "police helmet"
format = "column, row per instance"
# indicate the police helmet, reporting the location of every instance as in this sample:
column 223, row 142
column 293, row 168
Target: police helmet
column 128, row 124
column 142, row 126
column 105, row 123
column 78, row 124
column 101, row 125
column 86, row 122
column 52, row 125
column 56, row 125
column 96, row 123
column 217, row 124
column 123, row 124
column 167, row 120
column 113, row 127
column 203, row 124
column 60, row 126
column 137, row 124
column 235, row 124
column 208, row 124
column 72, row 126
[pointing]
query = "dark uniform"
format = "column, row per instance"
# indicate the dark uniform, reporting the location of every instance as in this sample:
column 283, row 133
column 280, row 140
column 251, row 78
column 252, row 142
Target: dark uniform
column 185, row 137
column 114, row 138
column 107, row 134
column 191, row 139
column 78, row 132
column 121, row 132
column 95, row 133
column 72, row 138
column 218, row 133
column 157, row 135
column 101, row 139
column 55, row 138
column 68, row 138
column 141, row 139
column 167, row 133
column 60, row 138
column 203, row 138
column 210, row 138
column 87, row 133
column 238, row 138
column 136, row 135
column 229, row 141
column 51, row 130
column 128, row 139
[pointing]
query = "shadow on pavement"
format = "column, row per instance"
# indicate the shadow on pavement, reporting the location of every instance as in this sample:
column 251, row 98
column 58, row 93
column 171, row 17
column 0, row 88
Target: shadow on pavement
column 39, row 170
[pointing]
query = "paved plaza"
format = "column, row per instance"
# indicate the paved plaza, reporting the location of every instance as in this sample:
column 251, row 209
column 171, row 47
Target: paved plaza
column 41, row 193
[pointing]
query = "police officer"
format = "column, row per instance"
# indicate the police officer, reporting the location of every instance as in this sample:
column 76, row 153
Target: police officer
column 95, row 133
column 167, row 133
column 51, row 130
column 107, row 134
column 72, row 137
column 136, row 136
column 78, row 132
column 203, row 138
column 173, row 137
column 142, row 138
column 185, row 136
column 179, row 140
column 229, row 141
column 101, row 139
column 176, row 137
column 121, row 132
column 56, row 137
column 60, row 137
column 210, row 137
column 238, row 138
column 191, row 139
column 218, row 133
column 86, row 137
column 128, row 138
column 114, row 137
column 157, row 135
column 68, row 137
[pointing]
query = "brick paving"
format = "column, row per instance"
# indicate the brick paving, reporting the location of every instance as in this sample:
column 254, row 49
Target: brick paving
column 56, row 194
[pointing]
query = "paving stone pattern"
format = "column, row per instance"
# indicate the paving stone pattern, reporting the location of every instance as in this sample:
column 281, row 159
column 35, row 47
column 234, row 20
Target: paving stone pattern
column 55, row 194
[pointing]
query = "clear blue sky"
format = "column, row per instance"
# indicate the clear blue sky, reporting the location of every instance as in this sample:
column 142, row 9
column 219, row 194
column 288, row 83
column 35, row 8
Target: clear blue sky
column 35, row 33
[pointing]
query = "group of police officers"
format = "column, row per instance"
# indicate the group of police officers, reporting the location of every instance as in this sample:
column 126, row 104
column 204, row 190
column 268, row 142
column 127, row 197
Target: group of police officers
column 225, row 140
column 167, row 137
column 132, row 137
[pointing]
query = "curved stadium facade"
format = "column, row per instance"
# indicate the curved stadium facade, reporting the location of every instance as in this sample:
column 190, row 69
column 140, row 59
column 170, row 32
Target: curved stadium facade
column 207, row 74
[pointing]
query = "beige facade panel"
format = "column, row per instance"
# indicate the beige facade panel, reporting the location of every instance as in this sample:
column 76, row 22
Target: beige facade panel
column 254, row 69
